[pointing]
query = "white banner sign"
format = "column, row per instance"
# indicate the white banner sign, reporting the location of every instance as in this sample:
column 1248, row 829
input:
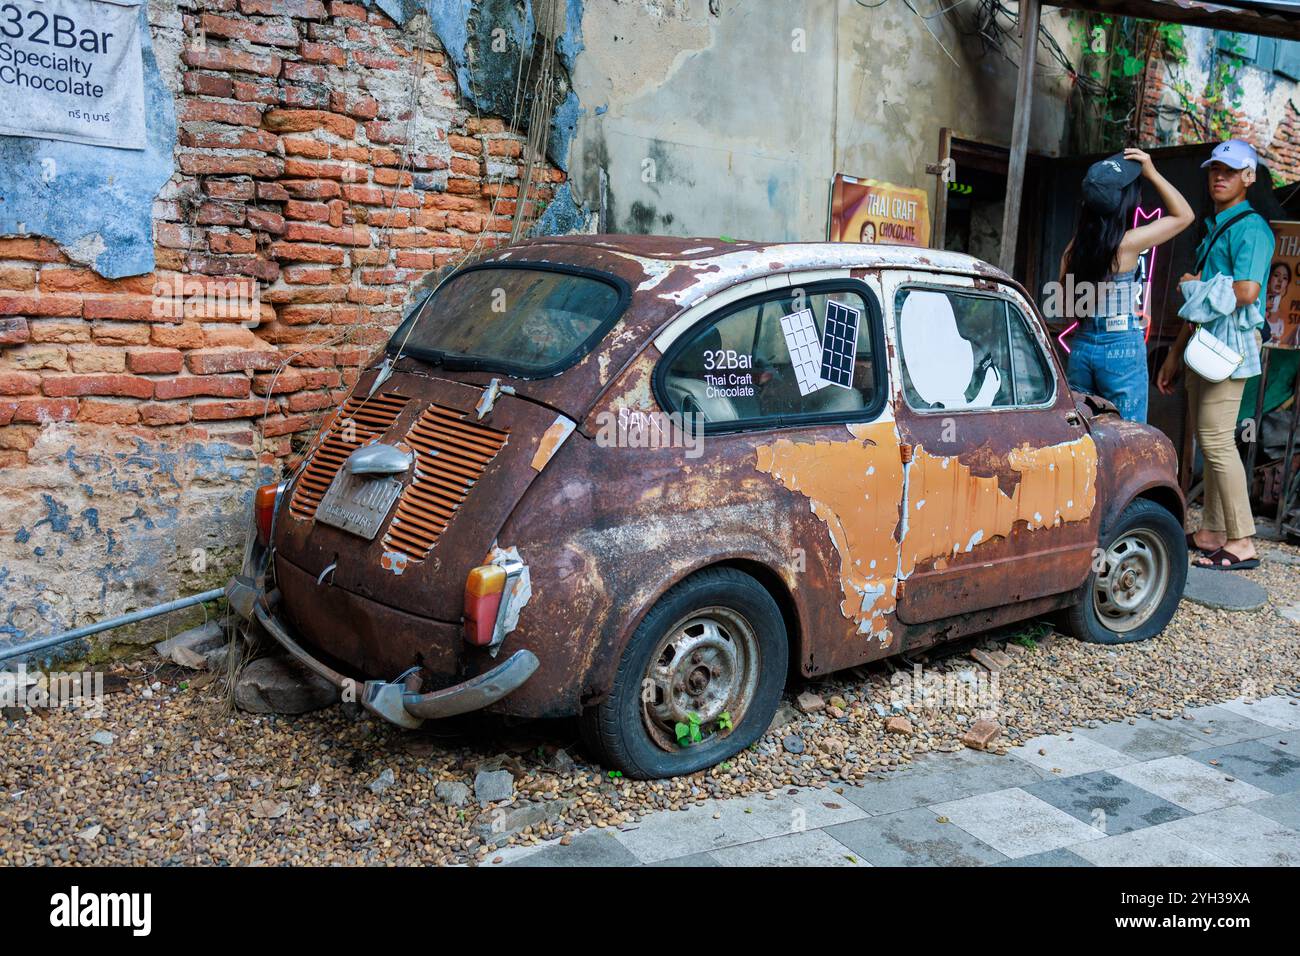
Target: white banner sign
column 72, row 70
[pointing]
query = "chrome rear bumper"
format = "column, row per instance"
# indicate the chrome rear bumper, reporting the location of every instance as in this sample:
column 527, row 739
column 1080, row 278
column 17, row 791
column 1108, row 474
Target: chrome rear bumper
column 392, row 701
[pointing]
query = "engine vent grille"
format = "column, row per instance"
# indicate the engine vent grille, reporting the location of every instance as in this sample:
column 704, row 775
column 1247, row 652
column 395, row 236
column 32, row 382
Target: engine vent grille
column 370, row 419
column 451, row 454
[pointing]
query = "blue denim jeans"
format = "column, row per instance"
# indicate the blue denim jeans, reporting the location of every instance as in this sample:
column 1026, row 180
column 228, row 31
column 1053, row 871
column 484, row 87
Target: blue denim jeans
column 1112, row 365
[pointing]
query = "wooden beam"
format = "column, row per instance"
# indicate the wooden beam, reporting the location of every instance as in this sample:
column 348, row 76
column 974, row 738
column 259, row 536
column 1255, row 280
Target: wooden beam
column 1197, row 13
column 1030, row 12
column 940, row 218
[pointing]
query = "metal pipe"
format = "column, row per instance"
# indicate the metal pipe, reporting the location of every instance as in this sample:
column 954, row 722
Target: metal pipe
column 144, row 614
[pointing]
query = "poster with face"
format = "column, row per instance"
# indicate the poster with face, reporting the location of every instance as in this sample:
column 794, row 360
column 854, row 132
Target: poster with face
column 868, row 210
column 1282, row 294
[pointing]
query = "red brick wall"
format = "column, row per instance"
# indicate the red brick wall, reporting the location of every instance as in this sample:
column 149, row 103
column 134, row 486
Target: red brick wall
column 299, row 166
column 1276, row 138
column 288, row 172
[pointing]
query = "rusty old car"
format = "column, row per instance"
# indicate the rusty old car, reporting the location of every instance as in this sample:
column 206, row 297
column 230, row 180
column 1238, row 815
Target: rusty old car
column 644, row 481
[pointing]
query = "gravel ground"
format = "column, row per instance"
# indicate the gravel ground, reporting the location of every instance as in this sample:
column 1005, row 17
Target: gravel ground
column 184, row 780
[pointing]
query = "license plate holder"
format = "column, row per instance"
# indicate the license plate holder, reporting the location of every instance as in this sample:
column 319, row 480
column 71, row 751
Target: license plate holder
column 358, row 504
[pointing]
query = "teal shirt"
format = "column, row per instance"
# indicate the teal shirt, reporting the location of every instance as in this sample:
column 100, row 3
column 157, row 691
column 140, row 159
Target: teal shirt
column 1244, row 252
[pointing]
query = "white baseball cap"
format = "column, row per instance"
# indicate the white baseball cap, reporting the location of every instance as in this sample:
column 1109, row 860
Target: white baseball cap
column 1234, row 153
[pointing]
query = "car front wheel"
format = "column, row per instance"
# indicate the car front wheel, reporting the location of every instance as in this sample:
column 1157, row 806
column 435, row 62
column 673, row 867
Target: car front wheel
column 1136, row 581
column 699, row 680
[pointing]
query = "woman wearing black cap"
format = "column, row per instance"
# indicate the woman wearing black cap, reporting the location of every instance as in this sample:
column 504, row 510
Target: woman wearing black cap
column 1099, row 274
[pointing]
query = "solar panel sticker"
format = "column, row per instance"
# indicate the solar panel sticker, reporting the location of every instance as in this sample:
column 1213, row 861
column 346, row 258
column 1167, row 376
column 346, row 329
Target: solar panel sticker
column 805, row 348
column 839, row 344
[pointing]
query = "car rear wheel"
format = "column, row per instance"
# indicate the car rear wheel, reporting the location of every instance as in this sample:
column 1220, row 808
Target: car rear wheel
column 1136, row 581
column 698, row 682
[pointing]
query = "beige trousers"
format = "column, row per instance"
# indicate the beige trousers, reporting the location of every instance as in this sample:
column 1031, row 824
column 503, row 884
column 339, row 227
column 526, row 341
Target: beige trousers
column 1213, row 407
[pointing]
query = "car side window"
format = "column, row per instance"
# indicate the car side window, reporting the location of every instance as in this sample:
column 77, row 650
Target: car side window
column 790, row 354
column 967, row 351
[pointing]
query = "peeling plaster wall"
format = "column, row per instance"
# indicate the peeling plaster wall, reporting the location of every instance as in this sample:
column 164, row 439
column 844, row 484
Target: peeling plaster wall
column 1267, row 115
column 710, row 125
column 484, row 39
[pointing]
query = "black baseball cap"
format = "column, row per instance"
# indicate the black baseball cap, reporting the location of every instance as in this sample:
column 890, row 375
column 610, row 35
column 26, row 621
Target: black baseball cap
column 1106, row 180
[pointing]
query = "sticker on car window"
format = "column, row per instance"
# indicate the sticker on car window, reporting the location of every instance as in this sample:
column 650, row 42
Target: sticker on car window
column 826, row 359
column 805, row 348
column 839, row 344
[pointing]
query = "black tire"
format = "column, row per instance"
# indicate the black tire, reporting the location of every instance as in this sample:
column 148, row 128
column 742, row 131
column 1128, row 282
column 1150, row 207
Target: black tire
column 618, row 731
column 1099, row 615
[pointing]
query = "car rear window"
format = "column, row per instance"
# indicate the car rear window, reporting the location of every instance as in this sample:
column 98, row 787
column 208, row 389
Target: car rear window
column 529, row 321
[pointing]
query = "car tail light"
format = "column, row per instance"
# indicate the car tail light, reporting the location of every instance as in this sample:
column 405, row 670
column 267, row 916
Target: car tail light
column 483, row 590
column 264, row 510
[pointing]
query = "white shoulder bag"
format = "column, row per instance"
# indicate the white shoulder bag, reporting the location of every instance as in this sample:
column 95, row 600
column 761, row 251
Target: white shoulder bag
column 1208, row 357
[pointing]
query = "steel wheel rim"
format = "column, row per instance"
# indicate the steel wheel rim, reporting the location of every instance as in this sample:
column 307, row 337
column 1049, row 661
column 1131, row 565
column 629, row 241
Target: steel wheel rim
column 706, row 664
column 1132, row 581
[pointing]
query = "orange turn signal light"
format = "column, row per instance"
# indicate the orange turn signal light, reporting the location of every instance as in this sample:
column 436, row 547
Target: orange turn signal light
column 483, row 590
column 264, row 511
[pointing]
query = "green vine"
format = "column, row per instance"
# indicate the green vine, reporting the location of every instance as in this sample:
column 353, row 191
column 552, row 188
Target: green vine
column 1116, row 55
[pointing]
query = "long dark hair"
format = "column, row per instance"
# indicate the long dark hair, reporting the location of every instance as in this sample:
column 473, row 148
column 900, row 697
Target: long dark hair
column 1097, row 236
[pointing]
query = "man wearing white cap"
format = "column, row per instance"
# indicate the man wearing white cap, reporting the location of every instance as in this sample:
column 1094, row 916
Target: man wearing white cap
column 1239, row 247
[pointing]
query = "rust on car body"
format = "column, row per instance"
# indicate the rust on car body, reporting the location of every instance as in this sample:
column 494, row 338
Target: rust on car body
column 873, row 537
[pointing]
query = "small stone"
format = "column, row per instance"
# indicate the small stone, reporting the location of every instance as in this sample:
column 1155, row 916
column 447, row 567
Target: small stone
column 188, row 647
column 562, row 762
column 451, row 792
column 280, row 685
column 90, row 833
column 503, row 823
column 785, row 715
column 103, row 738
column 838, row 701
column 981, row 733
column 383, row 781
column 899, row 725
column 269, row 809
column 493, row 786
column 810, row 703
column 793, row 744
column 1015, row 650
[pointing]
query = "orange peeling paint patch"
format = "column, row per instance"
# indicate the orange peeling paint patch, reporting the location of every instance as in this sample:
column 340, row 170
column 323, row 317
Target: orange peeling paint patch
column 858, row 486
column 950, row 511
column 853, row 486
column 551, row 441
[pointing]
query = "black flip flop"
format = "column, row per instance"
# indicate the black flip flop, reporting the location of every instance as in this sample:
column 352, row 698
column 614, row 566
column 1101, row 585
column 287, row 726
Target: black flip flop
column 1235, row 563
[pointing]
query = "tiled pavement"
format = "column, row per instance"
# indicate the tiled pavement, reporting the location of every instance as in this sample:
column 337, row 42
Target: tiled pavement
column 1221, row 789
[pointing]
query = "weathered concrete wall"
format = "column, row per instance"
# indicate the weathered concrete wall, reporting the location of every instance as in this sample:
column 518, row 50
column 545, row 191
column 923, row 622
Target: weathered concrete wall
column 735, row 122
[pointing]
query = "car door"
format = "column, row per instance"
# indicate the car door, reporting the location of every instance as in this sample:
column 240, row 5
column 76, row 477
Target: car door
column 999, row 497
column 793, row 382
